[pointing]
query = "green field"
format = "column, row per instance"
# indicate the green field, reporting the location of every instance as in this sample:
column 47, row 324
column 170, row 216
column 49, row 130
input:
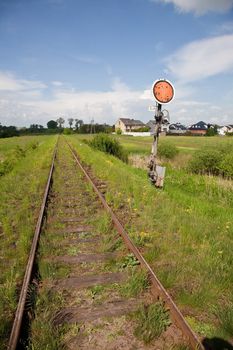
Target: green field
column 21, row 188
column 185, row 230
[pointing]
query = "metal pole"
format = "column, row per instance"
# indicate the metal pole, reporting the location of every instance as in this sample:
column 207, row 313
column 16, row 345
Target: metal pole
column 154, row 150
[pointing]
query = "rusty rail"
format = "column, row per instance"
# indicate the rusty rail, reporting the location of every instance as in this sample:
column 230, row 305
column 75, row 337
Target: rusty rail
column 15, row 331
column 157, row 287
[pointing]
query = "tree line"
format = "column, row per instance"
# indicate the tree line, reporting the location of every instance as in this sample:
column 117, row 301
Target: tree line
column 55, row 127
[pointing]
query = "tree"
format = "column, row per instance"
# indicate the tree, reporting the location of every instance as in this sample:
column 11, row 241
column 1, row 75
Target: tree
column 70, row 122
column 212, row 130
column 78, row 123
column 52, row 124
column 60, row 121
column 8, row 131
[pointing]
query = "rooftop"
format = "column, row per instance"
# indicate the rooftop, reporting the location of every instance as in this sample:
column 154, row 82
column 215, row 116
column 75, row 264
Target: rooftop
column 131, row 122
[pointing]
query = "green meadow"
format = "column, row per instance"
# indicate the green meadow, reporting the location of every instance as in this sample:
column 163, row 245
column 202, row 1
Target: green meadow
column 184, row 231
column 24, row 165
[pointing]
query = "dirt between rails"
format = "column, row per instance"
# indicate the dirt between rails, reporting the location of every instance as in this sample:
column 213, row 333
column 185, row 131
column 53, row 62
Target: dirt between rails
column 97, row 306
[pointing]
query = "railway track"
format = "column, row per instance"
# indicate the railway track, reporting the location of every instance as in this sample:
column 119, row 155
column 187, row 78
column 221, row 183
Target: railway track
column 91, row 278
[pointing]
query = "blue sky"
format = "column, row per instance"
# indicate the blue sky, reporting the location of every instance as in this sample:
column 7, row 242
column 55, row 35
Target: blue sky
column 98, row 58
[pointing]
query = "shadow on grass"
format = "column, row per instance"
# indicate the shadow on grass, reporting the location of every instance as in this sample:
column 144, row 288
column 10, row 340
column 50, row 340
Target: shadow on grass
column 216, row 344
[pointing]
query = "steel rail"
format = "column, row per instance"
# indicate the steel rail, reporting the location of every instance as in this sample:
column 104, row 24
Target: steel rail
column 157, row 288
column 15, row 331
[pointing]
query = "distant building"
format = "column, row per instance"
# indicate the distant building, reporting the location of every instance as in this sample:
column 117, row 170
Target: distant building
column 126, row 124
column 223, row 130
column 151, row 125
column 199, row 128
column 177, row 129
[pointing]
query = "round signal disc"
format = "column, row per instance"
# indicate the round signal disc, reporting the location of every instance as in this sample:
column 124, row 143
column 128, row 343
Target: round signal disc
column 163, row 91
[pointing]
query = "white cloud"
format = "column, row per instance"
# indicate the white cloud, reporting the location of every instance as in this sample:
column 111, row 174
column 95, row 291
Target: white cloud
column 202, row 59
column 119, row 85
column 8, row 82
column 57, row 83
column 22, row 107
column 200, row 7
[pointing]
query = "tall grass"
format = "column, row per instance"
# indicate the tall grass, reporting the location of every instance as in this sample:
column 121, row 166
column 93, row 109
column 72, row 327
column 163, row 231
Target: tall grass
column 21, row 193
column 189, row 225
column 152, row 321
column 107, row 144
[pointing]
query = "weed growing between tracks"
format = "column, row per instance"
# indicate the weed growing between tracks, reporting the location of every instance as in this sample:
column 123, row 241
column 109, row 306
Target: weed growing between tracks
column 185, row 231
column 152, row 321
column 136, row 284
column 44, row 333
column 21, row 193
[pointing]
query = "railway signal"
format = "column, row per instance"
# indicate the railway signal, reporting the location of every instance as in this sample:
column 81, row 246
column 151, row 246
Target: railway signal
column 163, row 92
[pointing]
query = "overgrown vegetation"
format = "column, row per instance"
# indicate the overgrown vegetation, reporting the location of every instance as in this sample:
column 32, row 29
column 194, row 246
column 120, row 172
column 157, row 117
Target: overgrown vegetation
column 152, row 321
column 225, row 319
column 167, row 151
column 213, row 161
column 44, row 333
column 136, row 284
column 191, row 216
column 15, row 155
column 21, row 194
column 107, row 144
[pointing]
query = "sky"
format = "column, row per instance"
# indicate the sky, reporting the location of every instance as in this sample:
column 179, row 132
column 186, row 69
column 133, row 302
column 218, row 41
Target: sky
column 98, row 59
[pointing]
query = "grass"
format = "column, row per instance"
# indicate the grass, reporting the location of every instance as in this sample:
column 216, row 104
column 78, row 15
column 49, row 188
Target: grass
column 202, row 328
column 15, row 150
column 21, row 194
column 185, row 230
column 136, row 284
column 225, row 318
column 44, row 333
column 152, row 321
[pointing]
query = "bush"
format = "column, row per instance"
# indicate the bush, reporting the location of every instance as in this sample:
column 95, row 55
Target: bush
column 167, row 150
column 107, row 144
column 68, row 131
column 216, row 161
column 226, row 165
column 206, row 162
column 213, row 131
column 118, row 131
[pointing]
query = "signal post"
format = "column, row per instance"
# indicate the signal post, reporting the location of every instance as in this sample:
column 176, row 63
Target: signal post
column 163, row 92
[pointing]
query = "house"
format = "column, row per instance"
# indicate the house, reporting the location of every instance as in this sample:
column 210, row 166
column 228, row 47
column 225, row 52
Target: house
column 126, row 124
column 164, row 127
column 223, row 130
column 199, row 128
column 177, row 129
column 229, row 128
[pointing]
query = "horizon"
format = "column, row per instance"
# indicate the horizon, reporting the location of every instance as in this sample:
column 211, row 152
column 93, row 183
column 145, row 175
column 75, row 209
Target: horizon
column 98, row 60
